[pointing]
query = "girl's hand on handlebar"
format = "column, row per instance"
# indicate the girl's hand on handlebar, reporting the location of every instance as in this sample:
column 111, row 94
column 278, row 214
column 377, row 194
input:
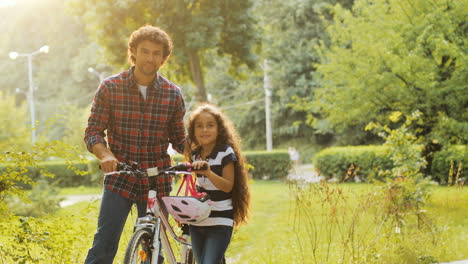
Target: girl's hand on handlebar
column 202, row 167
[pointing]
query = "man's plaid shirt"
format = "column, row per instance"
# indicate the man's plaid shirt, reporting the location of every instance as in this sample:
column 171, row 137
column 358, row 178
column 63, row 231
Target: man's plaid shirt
column 137, row 129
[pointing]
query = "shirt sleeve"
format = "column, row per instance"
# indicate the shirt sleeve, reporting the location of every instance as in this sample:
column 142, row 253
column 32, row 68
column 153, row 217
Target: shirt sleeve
column 98, row 119
column 229, row 157
column 177, row 130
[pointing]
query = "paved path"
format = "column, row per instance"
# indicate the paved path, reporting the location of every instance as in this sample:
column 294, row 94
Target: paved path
column 73, row 199
column 304, row 172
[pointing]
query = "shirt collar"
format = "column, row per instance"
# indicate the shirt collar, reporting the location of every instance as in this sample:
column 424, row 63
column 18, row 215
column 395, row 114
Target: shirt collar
column 133, row 84
column 217, row 148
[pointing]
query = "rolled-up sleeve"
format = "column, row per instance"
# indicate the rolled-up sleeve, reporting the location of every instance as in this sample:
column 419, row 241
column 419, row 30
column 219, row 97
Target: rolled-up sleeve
column 98, row 119
column 177, row 130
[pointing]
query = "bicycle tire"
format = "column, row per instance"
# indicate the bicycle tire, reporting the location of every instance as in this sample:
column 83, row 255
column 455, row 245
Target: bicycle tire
column 139, row 247
column 190, row 259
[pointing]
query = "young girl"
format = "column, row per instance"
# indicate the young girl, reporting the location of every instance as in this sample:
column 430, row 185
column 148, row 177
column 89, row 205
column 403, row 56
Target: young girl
column 213, row 142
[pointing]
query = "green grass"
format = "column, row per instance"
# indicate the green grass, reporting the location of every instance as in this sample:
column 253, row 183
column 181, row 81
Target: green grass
column 80, row 191
column 277, row 231
column 277, row 234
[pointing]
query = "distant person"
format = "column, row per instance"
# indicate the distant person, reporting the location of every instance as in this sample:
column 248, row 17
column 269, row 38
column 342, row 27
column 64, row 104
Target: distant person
column 294, row 156
column 213, row 142
column 141, row 112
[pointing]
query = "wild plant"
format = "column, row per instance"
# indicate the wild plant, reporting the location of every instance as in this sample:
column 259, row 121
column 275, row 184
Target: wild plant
column 378, row 225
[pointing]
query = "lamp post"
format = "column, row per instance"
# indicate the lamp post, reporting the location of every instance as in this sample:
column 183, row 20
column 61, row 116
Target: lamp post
column 100, row 75
column 267, row 86
column 30, row 94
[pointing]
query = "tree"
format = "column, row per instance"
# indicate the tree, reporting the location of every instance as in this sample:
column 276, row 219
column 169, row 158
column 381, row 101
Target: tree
column 61, row 77
column 289, row 31
column 13, row 128
column 389, row 55
column 195, row 27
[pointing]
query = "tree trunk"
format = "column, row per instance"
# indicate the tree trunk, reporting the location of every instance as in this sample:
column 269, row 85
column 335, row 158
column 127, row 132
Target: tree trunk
column 197, row 75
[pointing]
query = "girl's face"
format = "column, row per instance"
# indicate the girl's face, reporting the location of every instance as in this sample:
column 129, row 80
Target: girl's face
column 206, row 129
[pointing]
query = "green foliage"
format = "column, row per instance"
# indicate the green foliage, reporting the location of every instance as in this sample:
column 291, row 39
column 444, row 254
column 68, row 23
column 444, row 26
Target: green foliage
column 276, row 217
column 404, row 192
column 291, row 70
column 351, row 161
column 72, row 123
column 195, row 27
column 271, row 165
column 14, row 174
column 59, row 240
column 449, row 165
column 13, row 128
column 60, row 77
column 42, row 199
column 337, row 223
column 387, row 56
column 66, row 173
column 406, row 153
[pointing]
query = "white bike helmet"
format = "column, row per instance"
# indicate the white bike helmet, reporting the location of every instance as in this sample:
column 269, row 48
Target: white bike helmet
column 187, row 209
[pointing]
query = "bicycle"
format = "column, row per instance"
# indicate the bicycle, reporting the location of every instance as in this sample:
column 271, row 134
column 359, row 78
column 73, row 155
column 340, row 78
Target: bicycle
column 150, row 231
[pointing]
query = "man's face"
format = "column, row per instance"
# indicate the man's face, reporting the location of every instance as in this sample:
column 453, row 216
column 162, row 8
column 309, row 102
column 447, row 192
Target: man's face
column 148, row 57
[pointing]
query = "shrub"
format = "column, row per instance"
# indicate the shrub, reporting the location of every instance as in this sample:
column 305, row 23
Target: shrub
column 42, row 199
column 271, row 165
column 450, row 162
column 64, row 174
column 366, row 161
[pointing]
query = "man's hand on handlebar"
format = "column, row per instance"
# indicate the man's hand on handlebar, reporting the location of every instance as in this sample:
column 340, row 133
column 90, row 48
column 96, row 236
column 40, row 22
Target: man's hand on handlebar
column 109, row 164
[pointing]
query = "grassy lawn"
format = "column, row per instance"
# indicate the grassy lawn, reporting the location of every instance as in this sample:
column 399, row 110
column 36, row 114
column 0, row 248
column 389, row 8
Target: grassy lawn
column 279, row 232
column 82, row 190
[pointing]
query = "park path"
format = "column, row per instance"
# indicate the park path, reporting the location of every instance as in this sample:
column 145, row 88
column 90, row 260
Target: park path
column 73, row 199
column 305, row 173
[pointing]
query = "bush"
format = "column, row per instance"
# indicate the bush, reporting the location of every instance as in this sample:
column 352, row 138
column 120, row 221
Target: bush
column 271, row 165
column 366, row 160
column 450, row 161
column 64, row 175
column 43, row 199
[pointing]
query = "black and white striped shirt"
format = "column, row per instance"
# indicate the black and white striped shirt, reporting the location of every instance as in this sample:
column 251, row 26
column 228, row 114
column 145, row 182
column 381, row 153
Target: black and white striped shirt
column 220, row 202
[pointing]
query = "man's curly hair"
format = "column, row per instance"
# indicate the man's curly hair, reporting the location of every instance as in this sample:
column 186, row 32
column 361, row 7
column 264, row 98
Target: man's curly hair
column 151, row 33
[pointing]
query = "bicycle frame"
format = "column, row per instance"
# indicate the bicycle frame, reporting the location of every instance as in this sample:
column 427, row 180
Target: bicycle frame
column 155, row 223
column 154, row 231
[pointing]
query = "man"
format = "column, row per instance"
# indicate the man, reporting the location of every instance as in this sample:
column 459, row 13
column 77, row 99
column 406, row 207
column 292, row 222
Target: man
column 142, row 113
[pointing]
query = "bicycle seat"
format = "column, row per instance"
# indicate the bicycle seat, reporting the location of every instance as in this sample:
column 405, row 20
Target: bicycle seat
column 187, row 209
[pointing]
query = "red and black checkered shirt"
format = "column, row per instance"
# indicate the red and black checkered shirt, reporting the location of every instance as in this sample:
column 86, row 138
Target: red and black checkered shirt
column 138, row 130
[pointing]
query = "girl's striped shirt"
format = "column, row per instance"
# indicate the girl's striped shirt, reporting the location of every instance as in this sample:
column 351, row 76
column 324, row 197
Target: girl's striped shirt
column 220, row 202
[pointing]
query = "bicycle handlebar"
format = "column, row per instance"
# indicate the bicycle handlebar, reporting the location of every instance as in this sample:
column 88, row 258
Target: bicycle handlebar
column 181, row 168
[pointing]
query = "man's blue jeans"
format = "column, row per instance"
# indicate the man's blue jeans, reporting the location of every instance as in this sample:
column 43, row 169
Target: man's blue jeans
column 209, row 243
column 112, row 216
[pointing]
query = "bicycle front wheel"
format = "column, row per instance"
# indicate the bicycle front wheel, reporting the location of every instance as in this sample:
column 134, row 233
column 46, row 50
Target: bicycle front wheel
column 189, row 258
column 139, row 247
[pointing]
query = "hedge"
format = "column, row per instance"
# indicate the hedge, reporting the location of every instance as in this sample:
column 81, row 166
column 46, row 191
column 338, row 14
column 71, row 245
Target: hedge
column 335, row 161
column 451, row 158
column 269, row 165
column 63, row 175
